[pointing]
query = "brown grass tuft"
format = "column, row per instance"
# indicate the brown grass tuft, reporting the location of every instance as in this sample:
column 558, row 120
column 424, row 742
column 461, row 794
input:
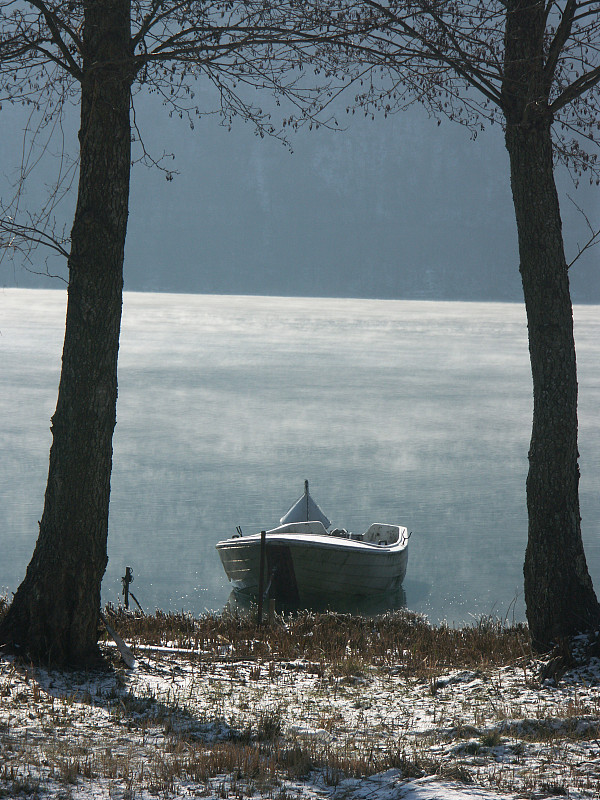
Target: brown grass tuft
column 402, row 640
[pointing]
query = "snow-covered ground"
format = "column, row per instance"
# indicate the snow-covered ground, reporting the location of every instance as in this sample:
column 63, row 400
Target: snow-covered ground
column 181, row 724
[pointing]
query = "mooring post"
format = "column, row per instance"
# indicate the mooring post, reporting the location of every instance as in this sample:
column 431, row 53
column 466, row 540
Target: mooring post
column 127, row 579
column 261, row 574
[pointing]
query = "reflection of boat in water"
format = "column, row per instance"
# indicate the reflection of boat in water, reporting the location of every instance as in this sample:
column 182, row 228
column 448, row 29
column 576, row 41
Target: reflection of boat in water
column 305, row 564
column 243, row 602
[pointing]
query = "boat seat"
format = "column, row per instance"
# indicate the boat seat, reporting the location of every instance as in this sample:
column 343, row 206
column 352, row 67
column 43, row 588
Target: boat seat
column 341, row 532
column 380, row 533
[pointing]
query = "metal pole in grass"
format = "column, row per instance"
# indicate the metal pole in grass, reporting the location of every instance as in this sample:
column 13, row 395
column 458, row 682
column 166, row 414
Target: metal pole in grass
column 126, row 580
column 261, row 574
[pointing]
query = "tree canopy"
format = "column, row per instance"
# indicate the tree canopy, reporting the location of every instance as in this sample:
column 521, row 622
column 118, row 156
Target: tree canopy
column 199, row 59
column 451, row 57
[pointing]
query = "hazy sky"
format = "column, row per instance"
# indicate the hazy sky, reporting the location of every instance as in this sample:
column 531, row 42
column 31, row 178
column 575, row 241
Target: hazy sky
column 398, row 207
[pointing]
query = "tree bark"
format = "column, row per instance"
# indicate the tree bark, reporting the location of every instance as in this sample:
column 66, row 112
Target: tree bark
column 54, row 615
column 559, row 595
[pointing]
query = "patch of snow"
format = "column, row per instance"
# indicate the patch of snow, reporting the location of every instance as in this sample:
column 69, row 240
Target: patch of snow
column 113, row 735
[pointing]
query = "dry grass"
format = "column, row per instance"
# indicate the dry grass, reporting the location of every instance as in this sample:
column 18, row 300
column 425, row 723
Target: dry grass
column 345, row 643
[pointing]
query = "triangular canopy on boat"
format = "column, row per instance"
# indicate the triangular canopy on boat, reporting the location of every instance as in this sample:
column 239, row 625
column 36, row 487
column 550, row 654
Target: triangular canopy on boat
column 305, row 510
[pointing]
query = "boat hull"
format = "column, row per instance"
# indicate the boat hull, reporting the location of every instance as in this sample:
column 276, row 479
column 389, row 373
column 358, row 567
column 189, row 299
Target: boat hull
column 301, row 567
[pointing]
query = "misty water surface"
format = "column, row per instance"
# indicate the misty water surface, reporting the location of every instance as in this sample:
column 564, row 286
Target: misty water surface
column 408, row 412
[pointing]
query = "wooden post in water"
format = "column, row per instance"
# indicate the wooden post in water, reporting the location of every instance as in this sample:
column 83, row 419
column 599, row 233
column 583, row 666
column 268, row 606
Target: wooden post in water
column 261, row 574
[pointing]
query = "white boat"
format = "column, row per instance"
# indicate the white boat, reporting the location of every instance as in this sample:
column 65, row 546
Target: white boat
column 304, row 560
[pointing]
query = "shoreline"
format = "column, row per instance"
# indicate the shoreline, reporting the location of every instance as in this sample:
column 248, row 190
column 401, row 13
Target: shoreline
column 235, row 713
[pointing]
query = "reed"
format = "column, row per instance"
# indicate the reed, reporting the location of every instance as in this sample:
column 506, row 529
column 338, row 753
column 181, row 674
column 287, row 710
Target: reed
column 401, row 639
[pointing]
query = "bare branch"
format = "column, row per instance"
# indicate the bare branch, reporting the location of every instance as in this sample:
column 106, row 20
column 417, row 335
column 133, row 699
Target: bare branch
column 454, row 57
column 558, row 42
column 591, row 242
column 579, row 87
column 54, row 25
column 16, row 237
column 146, row 158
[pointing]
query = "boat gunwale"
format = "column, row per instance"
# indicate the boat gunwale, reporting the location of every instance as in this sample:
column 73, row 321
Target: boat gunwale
column 313, row 540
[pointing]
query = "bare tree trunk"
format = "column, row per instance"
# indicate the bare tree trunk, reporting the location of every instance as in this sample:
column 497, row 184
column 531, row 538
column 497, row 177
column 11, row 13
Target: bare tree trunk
column 559, row 594
column 54, row 614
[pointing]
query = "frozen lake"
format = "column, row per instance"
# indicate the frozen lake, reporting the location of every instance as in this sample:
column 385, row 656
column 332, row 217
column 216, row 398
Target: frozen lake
column 417, row 413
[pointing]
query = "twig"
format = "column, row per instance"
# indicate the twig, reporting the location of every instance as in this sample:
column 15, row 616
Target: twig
column 593, row 240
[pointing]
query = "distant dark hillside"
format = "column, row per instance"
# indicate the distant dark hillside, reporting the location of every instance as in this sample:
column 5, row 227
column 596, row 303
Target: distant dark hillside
column 394, row 208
